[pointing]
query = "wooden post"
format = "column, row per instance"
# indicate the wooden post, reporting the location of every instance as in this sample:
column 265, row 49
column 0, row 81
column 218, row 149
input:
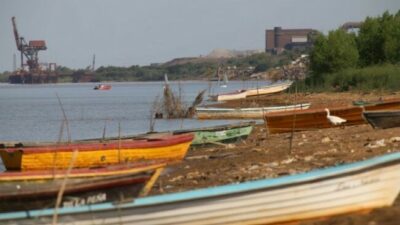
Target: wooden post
column 63, row 184
column 149, row 185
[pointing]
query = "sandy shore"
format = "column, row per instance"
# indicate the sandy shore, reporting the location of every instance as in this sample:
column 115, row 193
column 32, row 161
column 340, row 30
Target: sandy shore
column 267, row 156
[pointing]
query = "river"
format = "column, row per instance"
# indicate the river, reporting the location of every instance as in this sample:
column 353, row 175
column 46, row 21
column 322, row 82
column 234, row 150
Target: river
column 32, row 112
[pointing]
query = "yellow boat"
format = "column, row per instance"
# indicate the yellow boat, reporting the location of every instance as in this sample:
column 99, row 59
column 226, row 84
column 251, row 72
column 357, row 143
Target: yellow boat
column 168, row 148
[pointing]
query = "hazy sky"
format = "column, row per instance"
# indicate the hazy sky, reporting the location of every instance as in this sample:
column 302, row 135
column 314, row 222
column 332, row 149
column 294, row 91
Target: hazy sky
column 140, row 32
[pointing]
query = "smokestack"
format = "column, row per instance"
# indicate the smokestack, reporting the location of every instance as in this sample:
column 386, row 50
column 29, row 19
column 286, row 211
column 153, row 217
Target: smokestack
column 14, row 62
column 93, row 62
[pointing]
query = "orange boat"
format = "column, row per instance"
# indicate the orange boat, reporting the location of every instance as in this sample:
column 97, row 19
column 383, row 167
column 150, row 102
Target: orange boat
column 102, row 87
column 312, row 119
column 169, row 148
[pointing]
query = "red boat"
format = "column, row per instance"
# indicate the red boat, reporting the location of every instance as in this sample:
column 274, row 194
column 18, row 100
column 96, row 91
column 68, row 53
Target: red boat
column 102, row 87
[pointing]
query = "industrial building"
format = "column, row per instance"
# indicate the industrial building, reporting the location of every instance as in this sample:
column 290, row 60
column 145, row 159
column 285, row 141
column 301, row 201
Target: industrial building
column 278, row 39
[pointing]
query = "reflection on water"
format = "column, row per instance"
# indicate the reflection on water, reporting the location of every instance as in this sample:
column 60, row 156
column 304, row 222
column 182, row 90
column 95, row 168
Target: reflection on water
column 32, row 112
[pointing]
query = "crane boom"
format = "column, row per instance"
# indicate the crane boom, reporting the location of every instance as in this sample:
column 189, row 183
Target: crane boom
column 16, row 35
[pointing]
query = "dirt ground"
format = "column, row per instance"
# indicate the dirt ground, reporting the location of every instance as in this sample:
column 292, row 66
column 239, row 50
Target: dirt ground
column 266, row 156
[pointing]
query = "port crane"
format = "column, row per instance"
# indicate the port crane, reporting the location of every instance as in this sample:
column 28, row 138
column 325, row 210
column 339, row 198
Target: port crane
column 31, row 70
column 30, row 50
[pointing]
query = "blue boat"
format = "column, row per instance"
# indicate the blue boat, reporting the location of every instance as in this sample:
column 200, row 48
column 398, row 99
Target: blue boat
column 336, row 190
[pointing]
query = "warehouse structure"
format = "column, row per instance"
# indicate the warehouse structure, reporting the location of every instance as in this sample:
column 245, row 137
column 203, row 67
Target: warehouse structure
column 278, row 39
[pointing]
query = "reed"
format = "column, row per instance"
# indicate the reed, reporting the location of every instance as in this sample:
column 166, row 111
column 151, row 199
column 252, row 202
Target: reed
column 173, row 105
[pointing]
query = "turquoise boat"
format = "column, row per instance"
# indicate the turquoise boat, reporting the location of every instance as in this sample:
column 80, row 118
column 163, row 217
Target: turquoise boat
column 223, row 133
column 325, row 192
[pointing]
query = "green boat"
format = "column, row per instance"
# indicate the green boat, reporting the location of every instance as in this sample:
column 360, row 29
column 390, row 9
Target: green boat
column 363, row 103
column 206, row 135
column 223, row 133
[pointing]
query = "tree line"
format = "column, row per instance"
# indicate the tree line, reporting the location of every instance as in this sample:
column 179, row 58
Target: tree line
column 367, row 59
column 184, row 69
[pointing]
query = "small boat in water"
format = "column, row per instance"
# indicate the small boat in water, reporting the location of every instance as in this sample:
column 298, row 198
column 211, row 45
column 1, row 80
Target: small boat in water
column 244, row 113
column 102, row 87
column 225, row 81
column 325, row 192
column 170, row 148
column 383, row 119
column 39, row 189
column 312, row 119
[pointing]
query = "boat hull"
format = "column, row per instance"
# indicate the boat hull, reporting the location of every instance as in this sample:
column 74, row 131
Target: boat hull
column 96, row 154
column 228, row 135
column 27, row 191
column 383, row 119
column 231, row 96
column 241, row 94
column 224, row 133
column 102, row 87
column 313, row 119
column 81, row 193
column 244, row 113
column 343, row 189
column 271, row 89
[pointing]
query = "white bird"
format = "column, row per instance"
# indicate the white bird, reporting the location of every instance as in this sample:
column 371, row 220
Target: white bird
column 335, row 120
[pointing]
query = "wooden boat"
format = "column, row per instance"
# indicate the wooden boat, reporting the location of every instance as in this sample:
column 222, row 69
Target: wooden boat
column 244, row 93
column 244, row 113
column 383, row 119
column 325, row 192
column 224, row 133
column 239, row 94
column 39, row 189
column 91, row 154
column 312, row 119
column 102, row 87
column 204, row 135
column 270, row 89
column 363, row 103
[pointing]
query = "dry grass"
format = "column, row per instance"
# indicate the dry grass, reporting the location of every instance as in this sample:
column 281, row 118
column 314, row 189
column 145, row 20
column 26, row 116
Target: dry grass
column 173, row 105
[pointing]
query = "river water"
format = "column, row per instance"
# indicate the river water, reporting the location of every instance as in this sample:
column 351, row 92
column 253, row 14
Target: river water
column 32, row 112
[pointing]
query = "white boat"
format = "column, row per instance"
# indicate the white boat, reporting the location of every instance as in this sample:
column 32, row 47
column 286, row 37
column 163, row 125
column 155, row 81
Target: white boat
column 244, row 93
column 320, row 193
column 239, row 94
column 270, row 89
column 225, row 82
column 244, row 113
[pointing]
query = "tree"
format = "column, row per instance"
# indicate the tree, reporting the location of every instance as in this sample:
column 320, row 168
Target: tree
column 333, row 53
column 370, row 42
column 379, row 40
column 318, row 62
column 391, row 36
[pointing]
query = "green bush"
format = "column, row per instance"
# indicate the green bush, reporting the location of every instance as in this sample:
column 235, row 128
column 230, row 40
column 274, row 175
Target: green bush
column 379, row 77
column 365, row 61
column 334, row 52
